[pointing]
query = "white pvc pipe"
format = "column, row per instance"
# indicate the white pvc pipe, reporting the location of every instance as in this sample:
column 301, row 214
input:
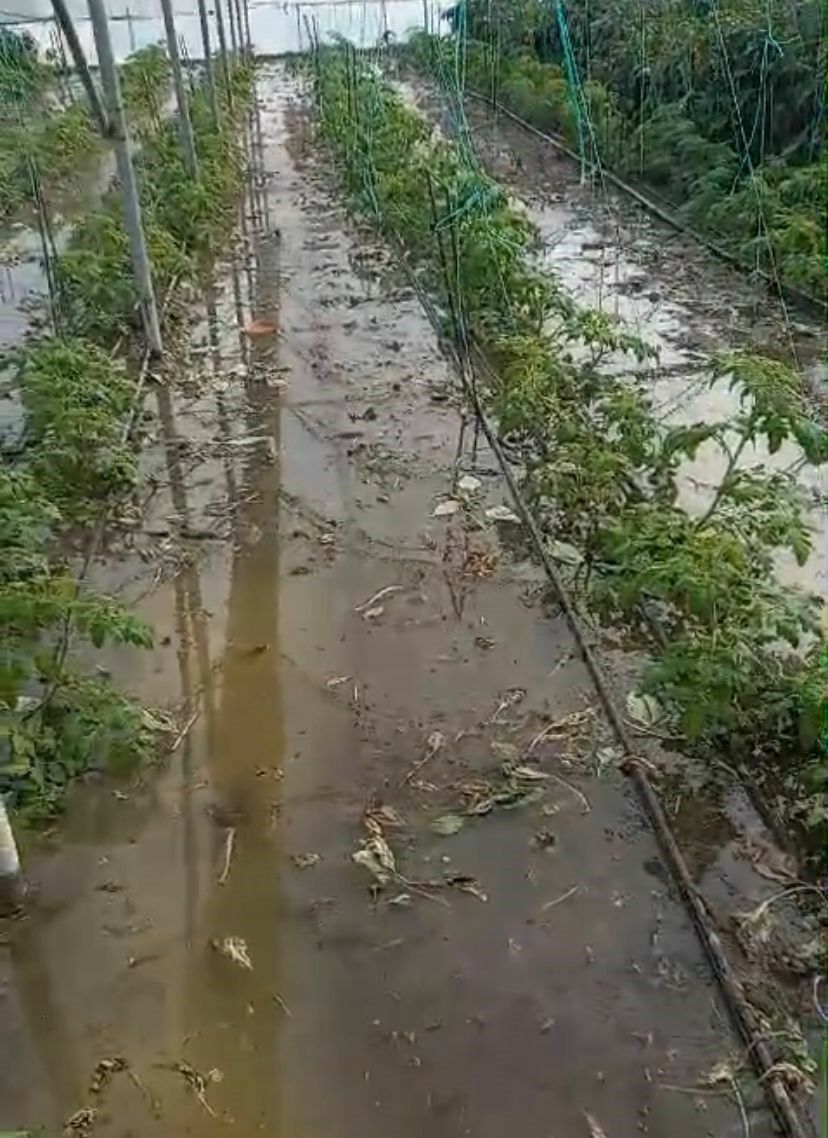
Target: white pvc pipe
column 11, row 880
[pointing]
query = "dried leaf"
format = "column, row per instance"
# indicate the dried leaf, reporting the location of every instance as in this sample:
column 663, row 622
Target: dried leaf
column 644, row 709
column 565, row 553
column 235, row 949
column 467, row 884
column 501, row 514
column 507, row 752
column 435, row 741
column 448, row 824
column 377, row 857
column 528, row 774
column 445, row 509
column 595, row 1130
column 606, row 757
column 468, row 484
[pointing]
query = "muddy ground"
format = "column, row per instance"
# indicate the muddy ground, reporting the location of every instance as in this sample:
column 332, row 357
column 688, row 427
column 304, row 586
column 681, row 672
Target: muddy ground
column 344, row 664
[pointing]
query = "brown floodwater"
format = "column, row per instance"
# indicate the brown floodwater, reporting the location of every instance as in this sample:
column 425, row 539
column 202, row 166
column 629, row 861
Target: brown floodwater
column 337, row 648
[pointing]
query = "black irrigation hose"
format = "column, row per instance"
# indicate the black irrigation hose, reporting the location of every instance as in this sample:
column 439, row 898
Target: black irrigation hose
column 742, row 1013
column 796, row 296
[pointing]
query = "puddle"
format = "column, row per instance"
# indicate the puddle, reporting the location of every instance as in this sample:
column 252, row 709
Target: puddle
column 578, row 984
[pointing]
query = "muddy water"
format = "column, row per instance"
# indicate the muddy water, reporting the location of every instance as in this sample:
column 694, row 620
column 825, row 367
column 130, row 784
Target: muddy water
column 677, row 298
column 292, row 475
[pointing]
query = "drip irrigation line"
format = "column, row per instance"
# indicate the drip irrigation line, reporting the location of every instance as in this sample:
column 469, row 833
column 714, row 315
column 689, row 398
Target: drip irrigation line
column 743, row 1015
column 804, row 300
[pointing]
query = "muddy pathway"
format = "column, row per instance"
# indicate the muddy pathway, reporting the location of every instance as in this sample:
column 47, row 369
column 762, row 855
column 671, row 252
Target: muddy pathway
column 349, row 665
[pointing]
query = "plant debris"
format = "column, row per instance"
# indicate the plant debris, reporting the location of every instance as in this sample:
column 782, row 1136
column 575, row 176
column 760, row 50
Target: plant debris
column 104, row 1070
column 305, row 860
column 228, row 855
column 434, row 742
column 469, row 484
column 467, row 884
column 195, row 1081
column 371, row 603
column 80, row 1123
column 448, row 824
column 235, row 949
column 643, row 709
column 595, row 1130
column 502, row 514
column 374, row 853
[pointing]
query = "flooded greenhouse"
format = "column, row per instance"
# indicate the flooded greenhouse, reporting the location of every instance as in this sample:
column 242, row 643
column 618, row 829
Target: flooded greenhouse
column 413, row 593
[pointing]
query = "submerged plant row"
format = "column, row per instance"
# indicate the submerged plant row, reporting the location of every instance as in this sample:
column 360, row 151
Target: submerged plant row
column 717, row 107
column 736, row 659
column 78, row 457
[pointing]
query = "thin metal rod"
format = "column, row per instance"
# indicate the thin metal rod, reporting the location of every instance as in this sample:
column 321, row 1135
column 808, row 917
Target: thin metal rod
column 209, row 70
column 234, row 43
column 185, row 125
column 225, row 63
column 126, row 175
column 67, row 26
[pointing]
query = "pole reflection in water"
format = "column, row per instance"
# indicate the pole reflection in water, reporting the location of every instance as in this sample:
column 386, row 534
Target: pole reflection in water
column 233, row 1020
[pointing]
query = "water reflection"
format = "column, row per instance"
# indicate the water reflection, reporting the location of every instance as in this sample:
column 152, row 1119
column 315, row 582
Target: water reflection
column 232, row 1017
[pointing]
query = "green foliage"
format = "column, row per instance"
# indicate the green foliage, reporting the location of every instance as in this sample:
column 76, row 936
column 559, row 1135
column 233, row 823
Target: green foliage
column 76, row 399
column 718, row 109
column 85, row 725
column 77, row 458
column 600, row 467
column 96, row 285
column 145, row 78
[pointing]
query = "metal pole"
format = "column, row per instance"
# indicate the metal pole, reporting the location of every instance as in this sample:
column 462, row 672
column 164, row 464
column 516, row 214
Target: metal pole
column 246, row 12
column 208, row 62
column 130, row 31
column 126, row 175
column 223, row 52
column 234, row 45
column 244, row 46
column 64, row 22
column 185, row 126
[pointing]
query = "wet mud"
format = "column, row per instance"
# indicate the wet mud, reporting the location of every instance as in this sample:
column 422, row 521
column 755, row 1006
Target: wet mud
column 344, row 663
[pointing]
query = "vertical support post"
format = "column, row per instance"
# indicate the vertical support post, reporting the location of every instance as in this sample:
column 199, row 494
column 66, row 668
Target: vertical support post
column 185, row 125
column 234, row 39
column 67, row 27
column 209, row 70
column 225, row 67
column 130, row 30
column 244, row 43
column 126, row 175
column 245, row 9
column 11, row 878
